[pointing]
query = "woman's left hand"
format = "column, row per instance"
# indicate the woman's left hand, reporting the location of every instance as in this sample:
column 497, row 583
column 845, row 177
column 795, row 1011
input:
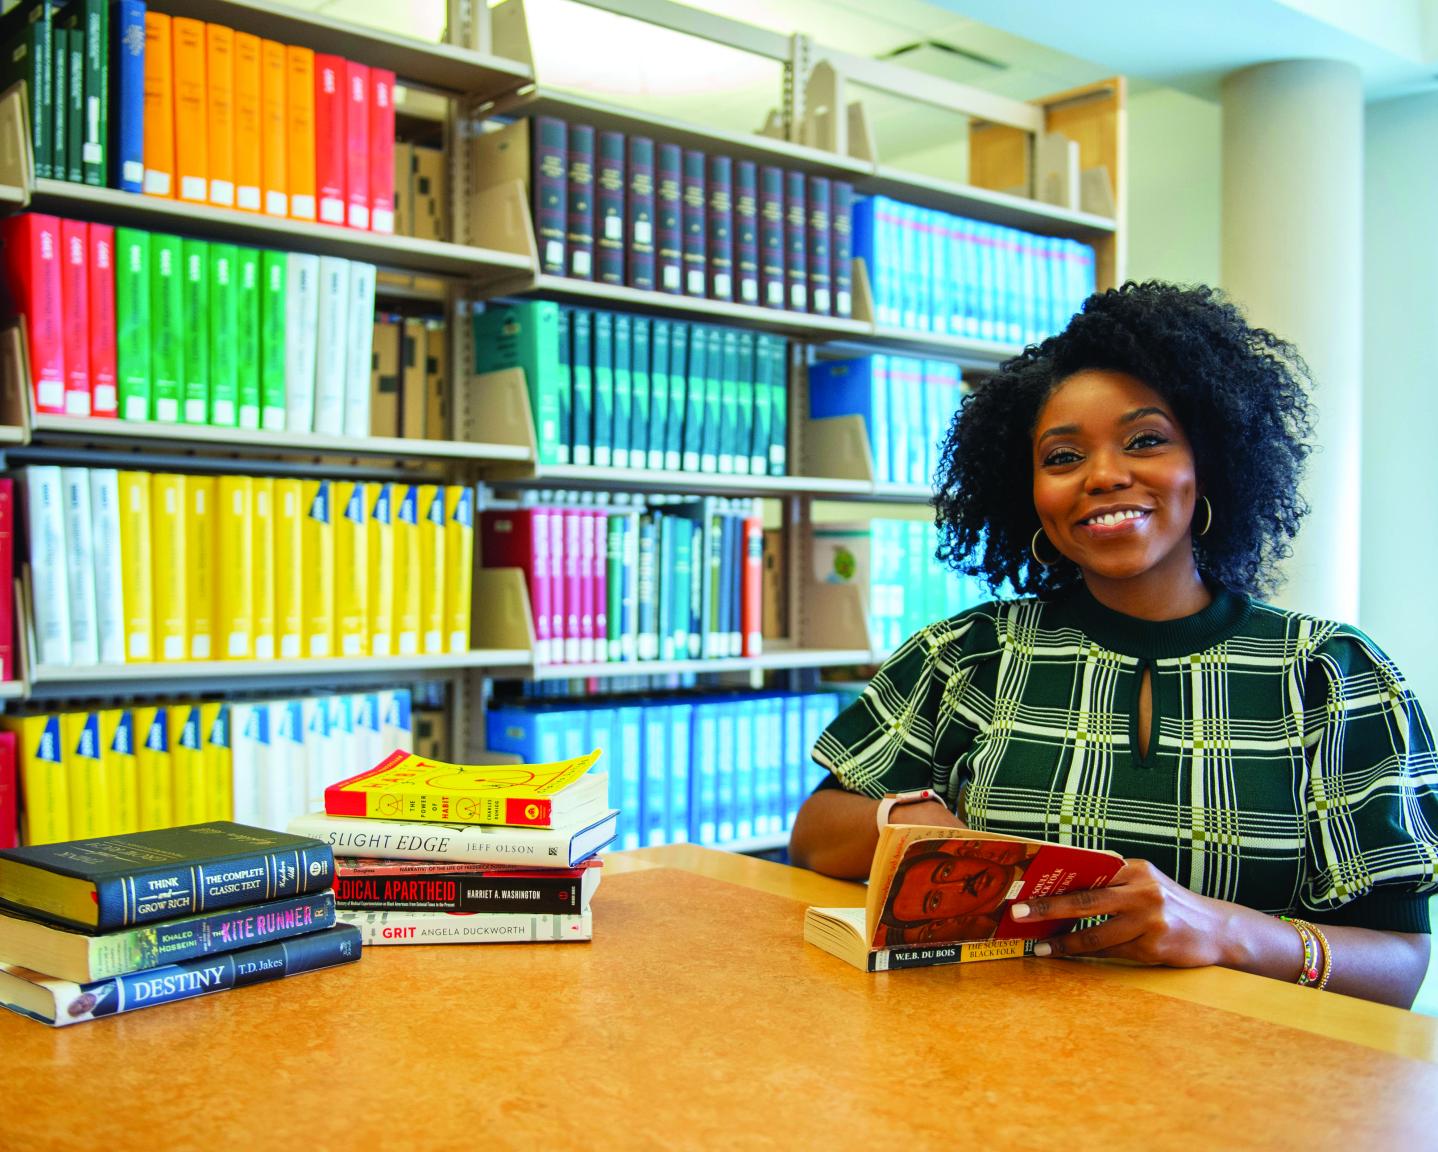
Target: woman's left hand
column 1151, row 919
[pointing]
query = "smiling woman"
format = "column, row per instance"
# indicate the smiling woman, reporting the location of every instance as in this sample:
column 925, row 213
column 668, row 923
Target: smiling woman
column 1135, row 479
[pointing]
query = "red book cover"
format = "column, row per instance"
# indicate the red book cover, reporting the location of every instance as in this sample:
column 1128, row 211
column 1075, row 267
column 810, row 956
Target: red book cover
column 381, row 151
column 9, row 793
column 751, row 600
column 101, row 276
column 330, row 137
column 520, row 539
column 75, row 293
column 32, row 274
column 357, row 161
column 7, row 596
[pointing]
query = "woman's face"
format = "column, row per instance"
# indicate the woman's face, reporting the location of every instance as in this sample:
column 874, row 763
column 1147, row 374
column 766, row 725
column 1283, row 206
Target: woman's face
column 1114, row 477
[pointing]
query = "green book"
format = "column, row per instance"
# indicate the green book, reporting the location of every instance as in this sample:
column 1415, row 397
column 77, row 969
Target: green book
column 639, row 425
column 696, row 370
column 26, row 32
column 132, row 322
column 761, row 429
column 89, row 111
column 729, row 403
column 75, row 108
column 526, row 335
column 273, row 268
column 658, row 393
column 678, row 398
column 603, row 389
column 196, row 391
column 565, row 389
column 581, row 429
column 247, row 337
column 623, row 388
column 713, row 400
column 744, row 435
column 224, row 335
column 167, row 317
column 60, row 104
column 614, row 587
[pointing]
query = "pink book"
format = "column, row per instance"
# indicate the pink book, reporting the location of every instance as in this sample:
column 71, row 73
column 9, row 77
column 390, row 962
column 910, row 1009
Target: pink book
column 75, row 292
column 32, row 273
column 586, row 586
column 357, row 114
column 601, row 587
column 381, row 151
column 102, row 321
column 9, row 793
column 7, row 593
column 330, row 137
column 573, row 521
column 558, row 619
column 539, row 587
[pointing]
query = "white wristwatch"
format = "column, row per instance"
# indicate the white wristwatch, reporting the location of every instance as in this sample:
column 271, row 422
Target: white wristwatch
column 894, row 800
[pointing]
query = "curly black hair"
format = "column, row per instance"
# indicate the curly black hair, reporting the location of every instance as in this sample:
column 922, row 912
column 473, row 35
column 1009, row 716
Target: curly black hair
column 1240, row 393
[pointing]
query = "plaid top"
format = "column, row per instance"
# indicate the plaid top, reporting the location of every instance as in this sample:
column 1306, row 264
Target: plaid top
column 1289, row 765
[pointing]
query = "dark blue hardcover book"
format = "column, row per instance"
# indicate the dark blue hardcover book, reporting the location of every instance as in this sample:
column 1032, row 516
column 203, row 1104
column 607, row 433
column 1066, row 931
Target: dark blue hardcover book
column 109, row 882
column 623, row 388
column 772, row 288
column 693, row 413
column 550, row 162
column 609, row 208
column 696, row 278
column 647, row 606
column 669, row 219
column 564, row 450
column 713, row 399
column 579, row 215
column 643, row 395
column 841, row 268
column 639, row 214
column 746, row 231
column 59, row 1002
column 744, row 460
column 821, row 244
column 581, row 428
column 728, row 438
column 127, row 95
column 720, row 237
column 659, row 394
column 796, row 243
column 603, row 389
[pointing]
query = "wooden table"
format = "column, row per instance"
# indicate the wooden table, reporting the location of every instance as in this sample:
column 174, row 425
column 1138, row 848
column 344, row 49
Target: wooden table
column 698, row 1019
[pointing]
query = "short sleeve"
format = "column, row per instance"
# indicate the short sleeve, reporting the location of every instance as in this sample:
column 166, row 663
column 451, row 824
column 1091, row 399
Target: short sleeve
column 1372, row 795
column 886, row 740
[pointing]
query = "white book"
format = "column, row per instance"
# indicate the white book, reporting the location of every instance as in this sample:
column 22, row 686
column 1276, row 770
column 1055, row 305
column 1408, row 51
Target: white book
column 45, row 513
column 340, row 761
column 396, row 727
column 331, row 364
column 317, row 755
column 369, row 744
column 360, row 349
column 109, row 581
column 302, row 321
column 476, row 928
column 562, row 846
column 80, row 566
column 249, row 743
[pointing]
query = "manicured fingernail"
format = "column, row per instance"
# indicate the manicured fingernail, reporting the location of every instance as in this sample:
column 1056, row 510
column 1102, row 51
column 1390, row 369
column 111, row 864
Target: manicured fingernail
column 1019, row 911
column 1043, row 949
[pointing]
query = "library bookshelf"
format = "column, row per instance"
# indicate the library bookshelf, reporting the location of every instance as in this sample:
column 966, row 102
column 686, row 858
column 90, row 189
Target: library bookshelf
column 483, row 73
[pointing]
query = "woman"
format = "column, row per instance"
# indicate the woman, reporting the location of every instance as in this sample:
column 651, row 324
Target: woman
column 1135, row 478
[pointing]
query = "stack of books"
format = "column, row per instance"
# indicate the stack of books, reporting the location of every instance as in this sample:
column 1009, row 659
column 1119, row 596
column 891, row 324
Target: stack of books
column 92, row 928
column 434, row 853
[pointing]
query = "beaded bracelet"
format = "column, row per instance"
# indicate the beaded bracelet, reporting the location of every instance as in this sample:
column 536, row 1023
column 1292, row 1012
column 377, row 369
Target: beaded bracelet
column 1314, row 942
column 1327, row 956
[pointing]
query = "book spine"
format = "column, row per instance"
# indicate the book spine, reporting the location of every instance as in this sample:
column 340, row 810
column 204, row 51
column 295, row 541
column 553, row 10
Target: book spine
column 330, row 138
column 167, row 341
column 195, row 321
column 300, row 141
column 696, row 279
column 94, row 147
column 381, row 151
column 433, row 806
column 100, row 280
column 109, row 578
column 729, row 401
column 406, row 570
column 819, row 254
column 302, row 321
column 466, row 928
column 7, row 620
column 352, row 574
column 36, row 272
column 746, row 231
column 127, row 96
column 579, row 212
column 603, row 431
column 192, row 163
column 359, row 349
column 357, row 118
column 45, row 515
column 219, row 85
column 772, row 288
column 132, row 323
column 400, row 841
column 224, row 336
column 249, row 132
column 80, row 566
column 659, row 394
column 159, row 117
column 274, row 149
column 695, row 374
column 643, row 393
column 744, row 460
column 274, row 351
column 436, row 891
column 640, row 220
column 71, row 96
column 893, row 959
column 549, row 181
column 841, row 274
column 796, row 237
column 317, row 566
column 711, row 420
column 331, row 368
column 720, row 235
column 752, row 611
column 75, row 292
column 669, row 219
column 609, row 208
column 380, row 562
column 623, row 388
column 459, row 567
column 235, row 575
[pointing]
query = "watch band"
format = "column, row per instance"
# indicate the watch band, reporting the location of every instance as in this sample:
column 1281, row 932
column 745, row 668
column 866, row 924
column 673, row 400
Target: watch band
column 896, row 799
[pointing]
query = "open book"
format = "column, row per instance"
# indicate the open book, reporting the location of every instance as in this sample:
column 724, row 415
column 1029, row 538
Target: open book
column 942, row 896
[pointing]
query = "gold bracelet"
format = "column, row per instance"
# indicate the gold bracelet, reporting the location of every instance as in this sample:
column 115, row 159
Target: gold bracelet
column 1310, row 971
column 1327, row 957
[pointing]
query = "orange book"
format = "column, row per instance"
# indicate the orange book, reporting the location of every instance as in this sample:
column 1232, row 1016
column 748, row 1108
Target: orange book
column 159, row 107
column 274, row 158
column 192, row 130
column 300, row 102
column 220, row 78
column 247, row 122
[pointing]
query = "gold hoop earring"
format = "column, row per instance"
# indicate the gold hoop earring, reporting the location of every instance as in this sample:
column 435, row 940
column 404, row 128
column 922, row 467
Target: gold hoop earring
column 1034, row 550
column 1208, row 523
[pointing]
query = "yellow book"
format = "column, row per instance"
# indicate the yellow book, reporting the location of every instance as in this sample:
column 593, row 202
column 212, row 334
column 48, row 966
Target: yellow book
column 188, row 781
column 351, row 569
column 380, row 531
column 135, row 549
column 168, row 519
column 404, row 786
column 317, row 566
column 215, row 733
column 289, row 587
column 152, row 767
column 262, row 566
column 200, row 565
column 406, row 569
column 432, row 620
column 92, row 801
column 459, row 564
column 234, row 572
column 117, row 749
column 39, row 748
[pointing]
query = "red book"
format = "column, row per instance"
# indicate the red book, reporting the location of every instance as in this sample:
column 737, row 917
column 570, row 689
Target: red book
column 32, row 274
column 520, row 539
column 102, row 321
column 75, row 293
column 7, row 594
column 381, row 151
column 357, row 114
column 751, row 600
column 330, row 137
column 9, row 793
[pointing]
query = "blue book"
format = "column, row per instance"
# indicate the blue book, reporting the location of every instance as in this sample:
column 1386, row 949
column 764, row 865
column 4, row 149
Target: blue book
column 704, row 767
column 679, row 717
column 601, row 729
column 856, row 387
column 626, row 773
column 60, row 1002
column 127, row 95
column 109, row 882
column 862, row 244
column 655, row 792
column 769, row 754
column 795, row 757
column 726, row 725
column 511, row 728
column 680, row 576
column 745, row 771
column 572, row 732
column 937, row 227
column 819, row 709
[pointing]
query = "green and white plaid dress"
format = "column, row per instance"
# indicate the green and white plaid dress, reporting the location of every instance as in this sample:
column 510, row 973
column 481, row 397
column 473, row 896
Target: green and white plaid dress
column 1289, row 766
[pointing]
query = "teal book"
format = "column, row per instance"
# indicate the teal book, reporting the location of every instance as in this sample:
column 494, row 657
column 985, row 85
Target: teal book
column 643, row 395
column 603, row 389
column 132, row 322
column 729, row 403
column 760, row 430
column 581, row 431
column 274, row 267
column 247, row 337
column 196, row 312
column 565, row 390
column 713, row 400
column 623, row 388
column 744, row 461
column 776, row 362
column 526, row 335
column 658, row 393
column 696, row 369
column 224, row 335
column 167, row 316
column 678, row 397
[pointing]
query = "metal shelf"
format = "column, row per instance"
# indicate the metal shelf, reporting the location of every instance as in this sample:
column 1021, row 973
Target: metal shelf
column 769, row 661
column 981, row 355
column 982, row 204
column 699, row 483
